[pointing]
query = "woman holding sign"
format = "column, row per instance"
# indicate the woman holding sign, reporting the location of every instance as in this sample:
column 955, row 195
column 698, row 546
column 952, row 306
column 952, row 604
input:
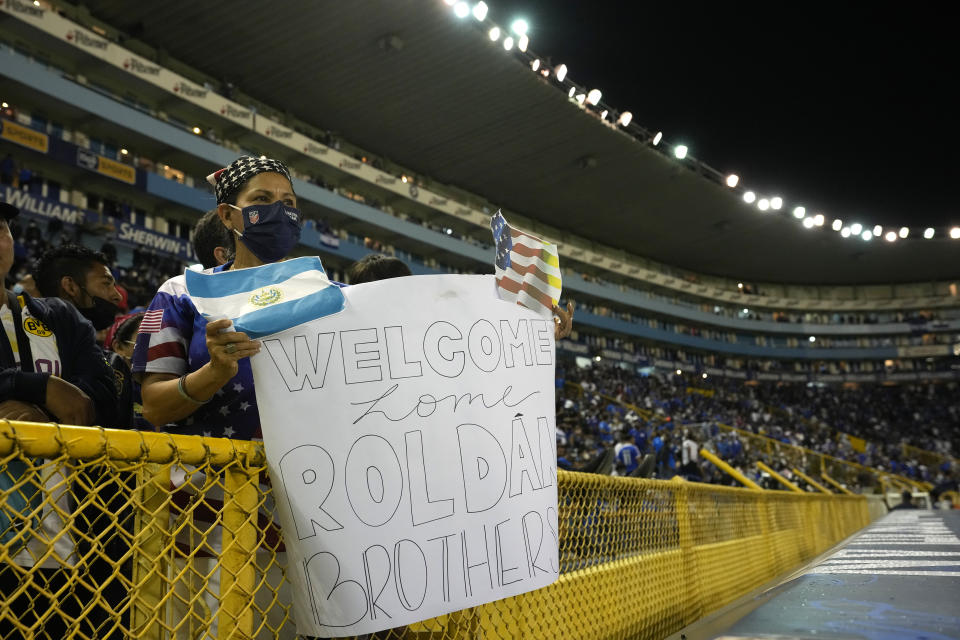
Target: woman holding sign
column 196, row 374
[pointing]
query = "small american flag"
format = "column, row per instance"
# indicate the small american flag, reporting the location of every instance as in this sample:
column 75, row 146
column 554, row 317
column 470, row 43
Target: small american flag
column 152, row 321
column 528, row 268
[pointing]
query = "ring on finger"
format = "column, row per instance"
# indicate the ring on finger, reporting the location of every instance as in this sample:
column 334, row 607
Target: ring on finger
column 231, row 348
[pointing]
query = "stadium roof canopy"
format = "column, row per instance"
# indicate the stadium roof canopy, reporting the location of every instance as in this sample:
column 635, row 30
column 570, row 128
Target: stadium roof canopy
column 451, row 105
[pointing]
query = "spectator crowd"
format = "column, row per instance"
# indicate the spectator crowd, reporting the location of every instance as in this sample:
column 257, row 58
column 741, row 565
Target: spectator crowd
column 605, row 405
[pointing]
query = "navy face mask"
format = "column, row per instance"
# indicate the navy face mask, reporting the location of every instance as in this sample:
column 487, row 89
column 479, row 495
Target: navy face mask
column 270, row 231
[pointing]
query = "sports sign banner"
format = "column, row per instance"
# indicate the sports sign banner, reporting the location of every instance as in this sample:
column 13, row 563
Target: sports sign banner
column 411, row 444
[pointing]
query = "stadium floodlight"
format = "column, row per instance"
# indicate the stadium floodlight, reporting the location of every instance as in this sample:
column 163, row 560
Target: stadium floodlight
column 763, row 204
column 845, row 232
column 572, row 91
column 461, row 10
column 812, row 338
column 837, row 224
column 818, row 219
column 494, row 33
column 776, row 202
column 856, row 228
column 593, row 96
column 535, row 64
column 867, row 235
column 523, row 42
column 580, row 98
column 955, row 233
column 560, row 71
column 799, row 212
column 928, row 233
column 657, row 138
column 877, row 230
column 480, row 11
column 904, row 232
column 749, row 197
column 507, row 43
column 733, row 180
column 680, row 151
column 891, row 236
column 808, row 223
column 625, row 118
column 520, row 27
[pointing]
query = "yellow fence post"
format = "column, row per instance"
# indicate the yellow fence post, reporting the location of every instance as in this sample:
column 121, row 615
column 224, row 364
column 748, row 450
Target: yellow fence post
column 813, row 483
column 835, row 484
column 730, row 471
column 693, row 603
column 779, row 478
column 237, row 563
column 151, row 539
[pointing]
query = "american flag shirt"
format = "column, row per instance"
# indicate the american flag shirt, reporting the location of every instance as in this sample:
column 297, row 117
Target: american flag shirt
column 173, row 339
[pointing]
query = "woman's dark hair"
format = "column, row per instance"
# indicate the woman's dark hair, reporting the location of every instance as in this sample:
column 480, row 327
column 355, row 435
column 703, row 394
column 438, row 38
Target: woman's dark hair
column 127, row 330
column 376, row 266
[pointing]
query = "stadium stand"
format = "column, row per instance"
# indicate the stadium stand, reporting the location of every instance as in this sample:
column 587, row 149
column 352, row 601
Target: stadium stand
column 808, row 392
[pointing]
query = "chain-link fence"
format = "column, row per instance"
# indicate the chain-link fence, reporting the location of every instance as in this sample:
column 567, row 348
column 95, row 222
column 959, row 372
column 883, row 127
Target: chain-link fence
column 123, row 534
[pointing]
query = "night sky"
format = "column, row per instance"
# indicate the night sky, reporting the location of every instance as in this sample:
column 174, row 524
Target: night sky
column 851, row 112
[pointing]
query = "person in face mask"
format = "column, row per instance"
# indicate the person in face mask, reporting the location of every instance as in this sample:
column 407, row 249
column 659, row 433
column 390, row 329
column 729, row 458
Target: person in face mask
column 195, row 376
column 82, row 277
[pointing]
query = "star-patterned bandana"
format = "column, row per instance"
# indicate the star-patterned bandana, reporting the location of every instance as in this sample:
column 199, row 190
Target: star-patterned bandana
column 228, row 181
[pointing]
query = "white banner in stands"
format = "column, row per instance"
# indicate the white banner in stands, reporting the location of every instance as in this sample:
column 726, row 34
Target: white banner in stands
column 923, row 351
column 411, row 442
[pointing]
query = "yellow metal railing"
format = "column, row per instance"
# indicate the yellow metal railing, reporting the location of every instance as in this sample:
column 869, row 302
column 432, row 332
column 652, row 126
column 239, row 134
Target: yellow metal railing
column 851, row 474
column 932, row 459
column 129, row 534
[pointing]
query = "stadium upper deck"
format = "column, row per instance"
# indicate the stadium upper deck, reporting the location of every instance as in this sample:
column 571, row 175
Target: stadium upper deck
column 679, row 308
column 716, row 227
column 451, row 106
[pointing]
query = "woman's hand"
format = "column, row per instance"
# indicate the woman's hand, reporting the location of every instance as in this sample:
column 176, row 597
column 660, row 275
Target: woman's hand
column 563, row 321
column 226, row 348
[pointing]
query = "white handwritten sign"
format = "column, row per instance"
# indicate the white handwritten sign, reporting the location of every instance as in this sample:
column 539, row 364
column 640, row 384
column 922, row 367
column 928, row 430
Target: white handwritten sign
column 411, row 443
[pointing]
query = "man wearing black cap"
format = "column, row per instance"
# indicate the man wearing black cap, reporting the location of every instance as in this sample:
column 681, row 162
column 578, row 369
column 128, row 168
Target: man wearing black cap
column 50, row 365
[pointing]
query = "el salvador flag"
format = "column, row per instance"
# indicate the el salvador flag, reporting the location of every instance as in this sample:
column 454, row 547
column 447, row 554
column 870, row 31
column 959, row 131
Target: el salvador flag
column 265, row 300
